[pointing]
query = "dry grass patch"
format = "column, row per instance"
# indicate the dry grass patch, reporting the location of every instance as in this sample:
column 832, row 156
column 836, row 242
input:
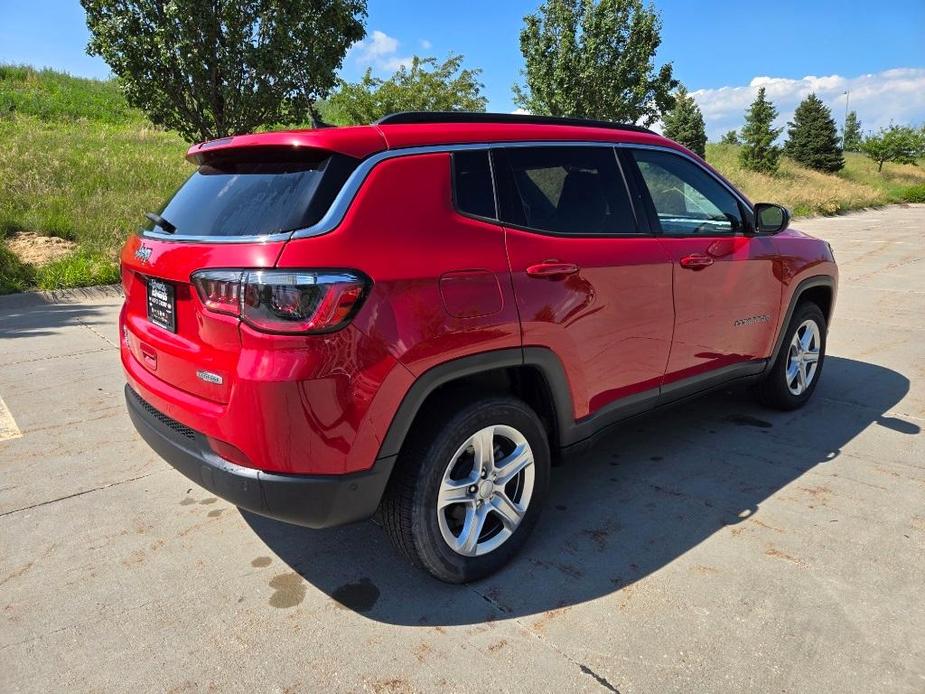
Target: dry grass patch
column 804, row 191
column 36, row 249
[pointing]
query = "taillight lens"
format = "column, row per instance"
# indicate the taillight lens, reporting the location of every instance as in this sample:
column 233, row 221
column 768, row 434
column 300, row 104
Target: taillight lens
column 219, row 290
column 283, row 301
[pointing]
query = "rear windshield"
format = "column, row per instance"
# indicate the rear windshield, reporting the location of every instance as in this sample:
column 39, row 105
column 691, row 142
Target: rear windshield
column 246, row 198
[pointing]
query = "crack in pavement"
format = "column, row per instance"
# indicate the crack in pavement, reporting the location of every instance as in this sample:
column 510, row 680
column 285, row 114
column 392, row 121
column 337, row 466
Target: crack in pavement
column 51, row 357
column 602, row 681
column 97, row 333
column 71, row 496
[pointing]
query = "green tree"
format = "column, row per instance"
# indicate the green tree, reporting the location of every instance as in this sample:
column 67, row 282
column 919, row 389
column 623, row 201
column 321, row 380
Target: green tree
column 211, row 68
column 425, row 85
column 812, row 138
column 684, row 123
column 594, row 59
column 898, row 143
column 730, row 138
column 851, row 140
column 759, row 153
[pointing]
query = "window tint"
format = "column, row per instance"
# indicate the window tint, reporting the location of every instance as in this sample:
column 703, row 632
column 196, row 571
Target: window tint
column 473, row 188
column 567, row 190
column 687, row 199
column 242, row 198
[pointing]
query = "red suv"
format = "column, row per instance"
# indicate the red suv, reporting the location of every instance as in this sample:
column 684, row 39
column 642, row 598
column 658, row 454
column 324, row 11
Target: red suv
column 419, row 316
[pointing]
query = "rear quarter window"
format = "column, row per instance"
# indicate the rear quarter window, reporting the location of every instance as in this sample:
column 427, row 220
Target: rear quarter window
column 473, row 190
column 247, row 197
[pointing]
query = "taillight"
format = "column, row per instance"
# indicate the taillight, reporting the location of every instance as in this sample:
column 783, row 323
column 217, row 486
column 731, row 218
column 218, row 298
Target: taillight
column 219, row 290
column 283, row 301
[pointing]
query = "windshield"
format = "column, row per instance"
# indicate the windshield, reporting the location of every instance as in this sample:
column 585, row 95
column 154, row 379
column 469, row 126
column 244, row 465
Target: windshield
column 253, row 198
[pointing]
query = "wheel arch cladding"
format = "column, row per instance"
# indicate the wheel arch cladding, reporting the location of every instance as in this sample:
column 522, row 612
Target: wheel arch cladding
column 535, row 375
column 821, row 295
column 821, row 286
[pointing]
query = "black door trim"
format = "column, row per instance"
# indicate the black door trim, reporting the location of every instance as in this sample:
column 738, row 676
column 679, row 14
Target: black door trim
column 569, row 431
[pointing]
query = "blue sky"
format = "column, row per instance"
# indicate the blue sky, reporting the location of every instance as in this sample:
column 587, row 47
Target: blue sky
column 721, row 50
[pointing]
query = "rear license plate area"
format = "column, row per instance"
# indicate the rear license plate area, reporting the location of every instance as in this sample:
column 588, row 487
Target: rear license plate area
column 162, row 304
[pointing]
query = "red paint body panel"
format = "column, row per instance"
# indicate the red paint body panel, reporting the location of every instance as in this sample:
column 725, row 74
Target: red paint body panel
column 444, row 286
column 424, row 134
column 610, row 323
column 363, row 140
column 802, row 256
column 743, row 281
column 203, row 340
column 403, row 233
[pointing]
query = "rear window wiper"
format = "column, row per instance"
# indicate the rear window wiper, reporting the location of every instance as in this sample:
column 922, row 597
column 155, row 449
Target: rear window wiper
column 161, row 222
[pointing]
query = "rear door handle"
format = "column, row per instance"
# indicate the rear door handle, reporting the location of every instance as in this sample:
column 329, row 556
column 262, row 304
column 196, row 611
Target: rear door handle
column 696, row 261
column 551, row 269
column 150, row 356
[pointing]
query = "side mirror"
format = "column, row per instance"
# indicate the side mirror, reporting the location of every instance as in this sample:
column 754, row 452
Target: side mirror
column 771, row 218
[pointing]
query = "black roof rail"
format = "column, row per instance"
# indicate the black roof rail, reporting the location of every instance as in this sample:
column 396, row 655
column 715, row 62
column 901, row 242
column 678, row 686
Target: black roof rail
column 409, row 117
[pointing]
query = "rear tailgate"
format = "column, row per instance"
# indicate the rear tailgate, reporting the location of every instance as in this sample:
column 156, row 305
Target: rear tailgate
column 234, row 213
column 200, row 354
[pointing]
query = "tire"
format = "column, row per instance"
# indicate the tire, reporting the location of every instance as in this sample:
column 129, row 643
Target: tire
column 781, row 389
column 443, row 453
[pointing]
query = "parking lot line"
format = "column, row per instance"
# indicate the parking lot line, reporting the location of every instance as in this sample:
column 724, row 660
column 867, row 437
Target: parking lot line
column 8, row 428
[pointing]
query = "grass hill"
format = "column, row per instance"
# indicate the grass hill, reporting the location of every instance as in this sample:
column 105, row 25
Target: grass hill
column 810, row 193
column 78, row 163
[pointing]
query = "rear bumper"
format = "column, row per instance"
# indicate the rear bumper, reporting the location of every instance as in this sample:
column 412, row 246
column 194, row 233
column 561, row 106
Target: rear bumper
column 315, row 501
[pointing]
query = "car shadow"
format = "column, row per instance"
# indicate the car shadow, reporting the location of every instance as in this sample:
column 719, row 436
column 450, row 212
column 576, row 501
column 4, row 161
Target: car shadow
column 657, row 487
column 36, row 319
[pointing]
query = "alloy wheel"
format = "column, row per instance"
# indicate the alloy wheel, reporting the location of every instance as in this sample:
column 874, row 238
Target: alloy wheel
column 485, row 490
column 803, row 357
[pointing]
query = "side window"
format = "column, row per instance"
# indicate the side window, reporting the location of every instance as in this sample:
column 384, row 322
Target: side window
column 687, row 199
column 565, row 190
column 472, row 186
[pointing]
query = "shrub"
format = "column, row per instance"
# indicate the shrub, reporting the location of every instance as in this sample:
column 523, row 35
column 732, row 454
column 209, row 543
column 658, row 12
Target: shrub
column 914, row 194
column 15, row 276
column 83, row 268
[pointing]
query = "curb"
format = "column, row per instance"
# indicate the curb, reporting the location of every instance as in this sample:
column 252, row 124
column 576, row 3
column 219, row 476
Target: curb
column 79, row 295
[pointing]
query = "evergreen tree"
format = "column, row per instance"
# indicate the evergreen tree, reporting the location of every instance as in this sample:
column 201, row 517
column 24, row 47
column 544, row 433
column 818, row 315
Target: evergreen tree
column 852, row 135
column 730, row 138
column 759, row 153
column 684, row 123
column 812, row 139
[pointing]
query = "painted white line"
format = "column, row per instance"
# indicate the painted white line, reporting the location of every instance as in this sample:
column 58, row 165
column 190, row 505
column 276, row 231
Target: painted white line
column 8, row 428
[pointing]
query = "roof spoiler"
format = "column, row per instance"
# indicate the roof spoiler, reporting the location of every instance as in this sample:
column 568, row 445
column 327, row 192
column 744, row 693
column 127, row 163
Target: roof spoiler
column 357, row 142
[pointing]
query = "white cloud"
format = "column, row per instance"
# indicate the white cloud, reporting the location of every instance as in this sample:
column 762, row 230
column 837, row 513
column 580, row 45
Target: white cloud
column 426, row 45
column 379, row 51
column 892, row 95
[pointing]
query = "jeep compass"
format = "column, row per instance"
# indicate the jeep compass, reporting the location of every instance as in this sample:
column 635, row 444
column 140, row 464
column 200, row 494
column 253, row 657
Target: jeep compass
column 417, row 317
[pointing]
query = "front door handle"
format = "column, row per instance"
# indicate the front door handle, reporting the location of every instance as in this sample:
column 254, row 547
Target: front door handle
column 696, row 261
column 551, row 269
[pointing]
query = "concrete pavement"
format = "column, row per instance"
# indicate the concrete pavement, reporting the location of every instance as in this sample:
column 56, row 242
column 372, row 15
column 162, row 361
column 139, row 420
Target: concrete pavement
column 714, row 547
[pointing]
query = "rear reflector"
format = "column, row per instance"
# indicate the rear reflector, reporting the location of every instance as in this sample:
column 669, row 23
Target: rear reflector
column 283, row 301
column 228, row 452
